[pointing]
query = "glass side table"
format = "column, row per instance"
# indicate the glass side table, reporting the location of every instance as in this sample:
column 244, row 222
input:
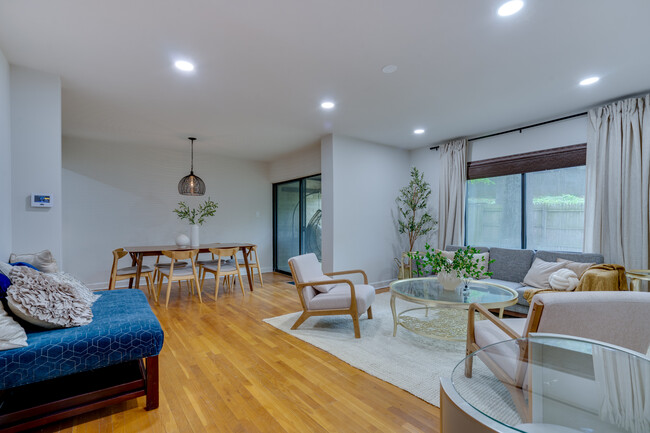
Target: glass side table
column 636, row 276
column 567, row 385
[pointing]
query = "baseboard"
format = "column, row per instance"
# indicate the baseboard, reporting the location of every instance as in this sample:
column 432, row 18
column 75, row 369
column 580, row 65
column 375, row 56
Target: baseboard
column 381, row 284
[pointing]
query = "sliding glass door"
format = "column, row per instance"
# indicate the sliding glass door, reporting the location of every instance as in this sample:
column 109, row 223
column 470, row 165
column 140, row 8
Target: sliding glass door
column 296, row 220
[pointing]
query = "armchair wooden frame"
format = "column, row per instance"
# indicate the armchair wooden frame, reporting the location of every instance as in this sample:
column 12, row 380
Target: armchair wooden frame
column 193, row 278
column 514, row 385
column 117, row 255
column 352, row 311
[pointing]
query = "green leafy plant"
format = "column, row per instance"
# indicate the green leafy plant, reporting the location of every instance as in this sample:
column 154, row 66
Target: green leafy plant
column 463, row 265
column 196, row 215
column 413, row 216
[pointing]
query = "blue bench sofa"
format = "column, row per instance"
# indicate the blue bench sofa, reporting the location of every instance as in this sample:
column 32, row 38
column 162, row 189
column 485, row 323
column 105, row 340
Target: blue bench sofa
column 65, row 372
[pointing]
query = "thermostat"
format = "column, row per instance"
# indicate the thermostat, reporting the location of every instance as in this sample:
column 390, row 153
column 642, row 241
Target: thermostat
column 41, row 200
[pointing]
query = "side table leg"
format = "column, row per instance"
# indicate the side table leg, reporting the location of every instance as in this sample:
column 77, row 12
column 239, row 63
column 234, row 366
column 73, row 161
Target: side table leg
column 392, row 307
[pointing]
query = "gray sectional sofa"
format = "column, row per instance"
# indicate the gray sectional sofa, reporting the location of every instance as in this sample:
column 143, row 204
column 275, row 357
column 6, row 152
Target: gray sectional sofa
column 511, row 266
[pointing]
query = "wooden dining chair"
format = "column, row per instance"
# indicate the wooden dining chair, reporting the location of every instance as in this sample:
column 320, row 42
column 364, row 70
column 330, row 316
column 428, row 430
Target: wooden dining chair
column 221, row 269
column 159, row 265
column 253, row 263
column 174, row 273
column 118, row 274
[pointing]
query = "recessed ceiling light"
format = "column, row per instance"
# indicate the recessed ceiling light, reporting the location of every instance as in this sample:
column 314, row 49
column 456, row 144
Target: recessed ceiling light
column 327, row 105
column 389, row 69
column 588, row 81
column 184, row 66
column 418, row 131
column 510, row 8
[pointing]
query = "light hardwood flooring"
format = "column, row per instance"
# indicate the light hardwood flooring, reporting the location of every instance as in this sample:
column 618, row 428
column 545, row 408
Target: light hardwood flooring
column 224, row 370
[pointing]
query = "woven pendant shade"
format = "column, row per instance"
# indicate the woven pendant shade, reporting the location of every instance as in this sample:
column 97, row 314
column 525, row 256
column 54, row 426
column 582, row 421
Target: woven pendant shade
column 191, row 184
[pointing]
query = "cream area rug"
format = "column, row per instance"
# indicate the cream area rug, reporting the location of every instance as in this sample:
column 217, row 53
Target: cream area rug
column 408, row 361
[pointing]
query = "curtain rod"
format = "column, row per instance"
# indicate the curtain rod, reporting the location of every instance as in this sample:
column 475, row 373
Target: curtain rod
column 520, row 128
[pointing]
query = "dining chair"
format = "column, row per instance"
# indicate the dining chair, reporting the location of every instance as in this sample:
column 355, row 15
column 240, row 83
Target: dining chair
column 221, row 269
column 159, row 265
column 118, row 274
column 179, row 274
column 253, row 263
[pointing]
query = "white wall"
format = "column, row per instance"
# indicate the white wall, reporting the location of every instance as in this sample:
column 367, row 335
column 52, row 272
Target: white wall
column 120, row 195
column 5, row 161
column 428, row 162
column 360, row 183
column 35, row 160
column 303, row 163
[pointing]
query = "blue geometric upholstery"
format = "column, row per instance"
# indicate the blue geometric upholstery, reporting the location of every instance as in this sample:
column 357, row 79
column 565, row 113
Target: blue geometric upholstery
column 123, row 329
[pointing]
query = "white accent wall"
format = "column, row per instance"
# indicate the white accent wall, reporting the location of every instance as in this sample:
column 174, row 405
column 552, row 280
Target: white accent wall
column 302, row 163
column 35, row 160
column 120, row 195
column 5, row 161
column 360, row 183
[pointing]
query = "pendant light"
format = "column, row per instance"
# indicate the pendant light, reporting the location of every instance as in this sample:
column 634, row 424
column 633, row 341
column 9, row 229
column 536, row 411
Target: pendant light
column 191, row 184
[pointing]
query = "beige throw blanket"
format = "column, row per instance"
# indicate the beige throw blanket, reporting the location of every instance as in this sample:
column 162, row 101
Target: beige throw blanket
column 598, row 278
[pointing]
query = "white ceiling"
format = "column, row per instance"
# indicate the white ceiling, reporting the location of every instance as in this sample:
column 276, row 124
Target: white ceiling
column 263, row 67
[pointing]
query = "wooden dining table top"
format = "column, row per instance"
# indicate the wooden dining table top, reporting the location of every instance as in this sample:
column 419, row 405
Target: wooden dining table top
column 202, row 247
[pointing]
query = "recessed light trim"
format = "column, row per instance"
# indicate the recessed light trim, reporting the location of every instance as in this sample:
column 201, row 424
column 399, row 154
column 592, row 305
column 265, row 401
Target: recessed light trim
column 389, row 69
column 588, row 81
column 510, row 8
column 418, row 131
column 327, row 105
column 184, row 65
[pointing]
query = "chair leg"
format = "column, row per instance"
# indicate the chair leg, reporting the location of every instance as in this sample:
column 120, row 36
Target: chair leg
column 169, row 288
column 304, row 316
column 355, row 321
column 160, row 278
column 152, row 293
column 369, row 312
column 202, row 273
column 216, row 285
column 241, row 284
column 111, row 283
column 195, row 282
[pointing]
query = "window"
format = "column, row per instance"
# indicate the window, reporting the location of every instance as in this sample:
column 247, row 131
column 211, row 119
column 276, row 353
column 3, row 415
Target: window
column 537, row 207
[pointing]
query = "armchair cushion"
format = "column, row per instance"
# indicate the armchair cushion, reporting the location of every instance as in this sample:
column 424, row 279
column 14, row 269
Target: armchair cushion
column 339, row 297
column 308, row 268
column 505, row 355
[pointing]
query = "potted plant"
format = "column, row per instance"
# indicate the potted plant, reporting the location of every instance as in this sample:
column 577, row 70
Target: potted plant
column 413, row 217
column 463, row 266
column 196, row 216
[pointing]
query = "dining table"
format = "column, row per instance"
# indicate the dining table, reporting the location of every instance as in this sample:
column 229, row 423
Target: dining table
column 138, row 253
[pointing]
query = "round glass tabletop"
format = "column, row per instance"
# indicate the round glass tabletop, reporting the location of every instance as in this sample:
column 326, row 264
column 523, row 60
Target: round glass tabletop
column 429, row 289
column 566, row 384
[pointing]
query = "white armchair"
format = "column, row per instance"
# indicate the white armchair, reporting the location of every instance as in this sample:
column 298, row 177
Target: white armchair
column 320, row 295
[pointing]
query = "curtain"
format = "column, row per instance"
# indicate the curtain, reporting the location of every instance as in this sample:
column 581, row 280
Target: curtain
column 623, row 382
column 618, row 177
column 451, row 204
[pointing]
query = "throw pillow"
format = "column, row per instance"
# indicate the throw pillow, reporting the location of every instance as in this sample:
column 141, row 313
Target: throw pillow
column 578, row 267
column 25, row 264
column 12, row 335
column 83, row 292
column 38, row 299
column 43, row 261
column 563, row 279
column 539, row 273
column 324, row 288
column 5, row 268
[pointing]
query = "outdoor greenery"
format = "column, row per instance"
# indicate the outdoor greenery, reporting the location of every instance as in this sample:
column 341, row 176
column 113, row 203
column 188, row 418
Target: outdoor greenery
column 555, row 200
column 196, row 215
column 463, row 265
column 412, row 202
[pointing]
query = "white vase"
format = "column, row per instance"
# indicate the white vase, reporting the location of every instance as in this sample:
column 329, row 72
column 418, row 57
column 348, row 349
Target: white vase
column 448, row 280
column 195, row 235
column 182, row 240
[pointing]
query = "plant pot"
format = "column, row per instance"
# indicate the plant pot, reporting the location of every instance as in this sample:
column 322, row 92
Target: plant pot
column 448, row 281
column 195, row 235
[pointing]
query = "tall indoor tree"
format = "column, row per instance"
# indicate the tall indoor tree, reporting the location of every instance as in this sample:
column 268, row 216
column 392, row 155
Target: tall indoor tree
column 414, row 218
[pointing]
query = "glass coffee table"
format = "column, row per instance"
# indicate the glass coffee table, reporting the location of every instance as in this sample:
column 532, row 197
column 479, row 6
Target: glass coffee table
column 444, row 312
column 570, row 385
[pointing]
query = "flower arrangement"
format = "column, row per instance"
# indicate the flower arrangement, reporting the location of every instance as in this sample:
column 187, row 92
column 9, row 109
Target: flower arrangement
column 463, row 265
column 196, row 215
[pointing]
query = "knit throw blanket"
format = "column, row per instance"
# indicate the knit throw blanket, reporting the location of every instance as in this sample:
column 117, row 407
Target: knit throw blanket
column 598, row 278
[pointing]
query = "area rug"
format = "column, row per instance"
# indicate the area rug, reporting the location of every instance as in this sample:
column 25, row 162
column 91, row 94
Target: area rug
column 408, row 361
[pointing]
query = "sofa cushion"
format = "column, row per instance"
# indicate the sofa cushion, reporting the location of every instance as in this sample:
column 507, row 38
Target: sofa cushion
column 540, row 272
column 518, row 287
column 43, row 261
column 510, row 265
column 339, row 298
column 505, row 355
column 577, row 267
column 308, row 268
column 123, row 329
column 12, row 335
column 552, row 256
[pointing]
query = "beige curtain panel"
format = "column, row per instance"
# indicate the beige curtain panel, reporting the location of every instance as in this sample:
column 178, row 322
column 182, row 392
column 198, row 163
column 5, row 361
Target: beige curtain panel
column 618, row 182
column 451, row 202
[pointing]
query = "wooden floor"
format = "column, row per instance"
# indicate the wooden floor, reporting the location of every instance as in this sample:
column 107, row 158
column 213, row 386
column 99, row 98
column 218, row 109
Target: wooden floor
column 224, row 370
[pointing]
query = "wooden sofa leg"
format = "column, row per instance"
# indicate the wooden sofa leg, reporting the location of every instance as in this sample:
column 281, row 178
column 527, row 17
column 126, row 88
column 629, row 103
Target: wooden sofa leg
column 355, row 320
column 304, row 316
column 152, row 383
column 369, row 312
